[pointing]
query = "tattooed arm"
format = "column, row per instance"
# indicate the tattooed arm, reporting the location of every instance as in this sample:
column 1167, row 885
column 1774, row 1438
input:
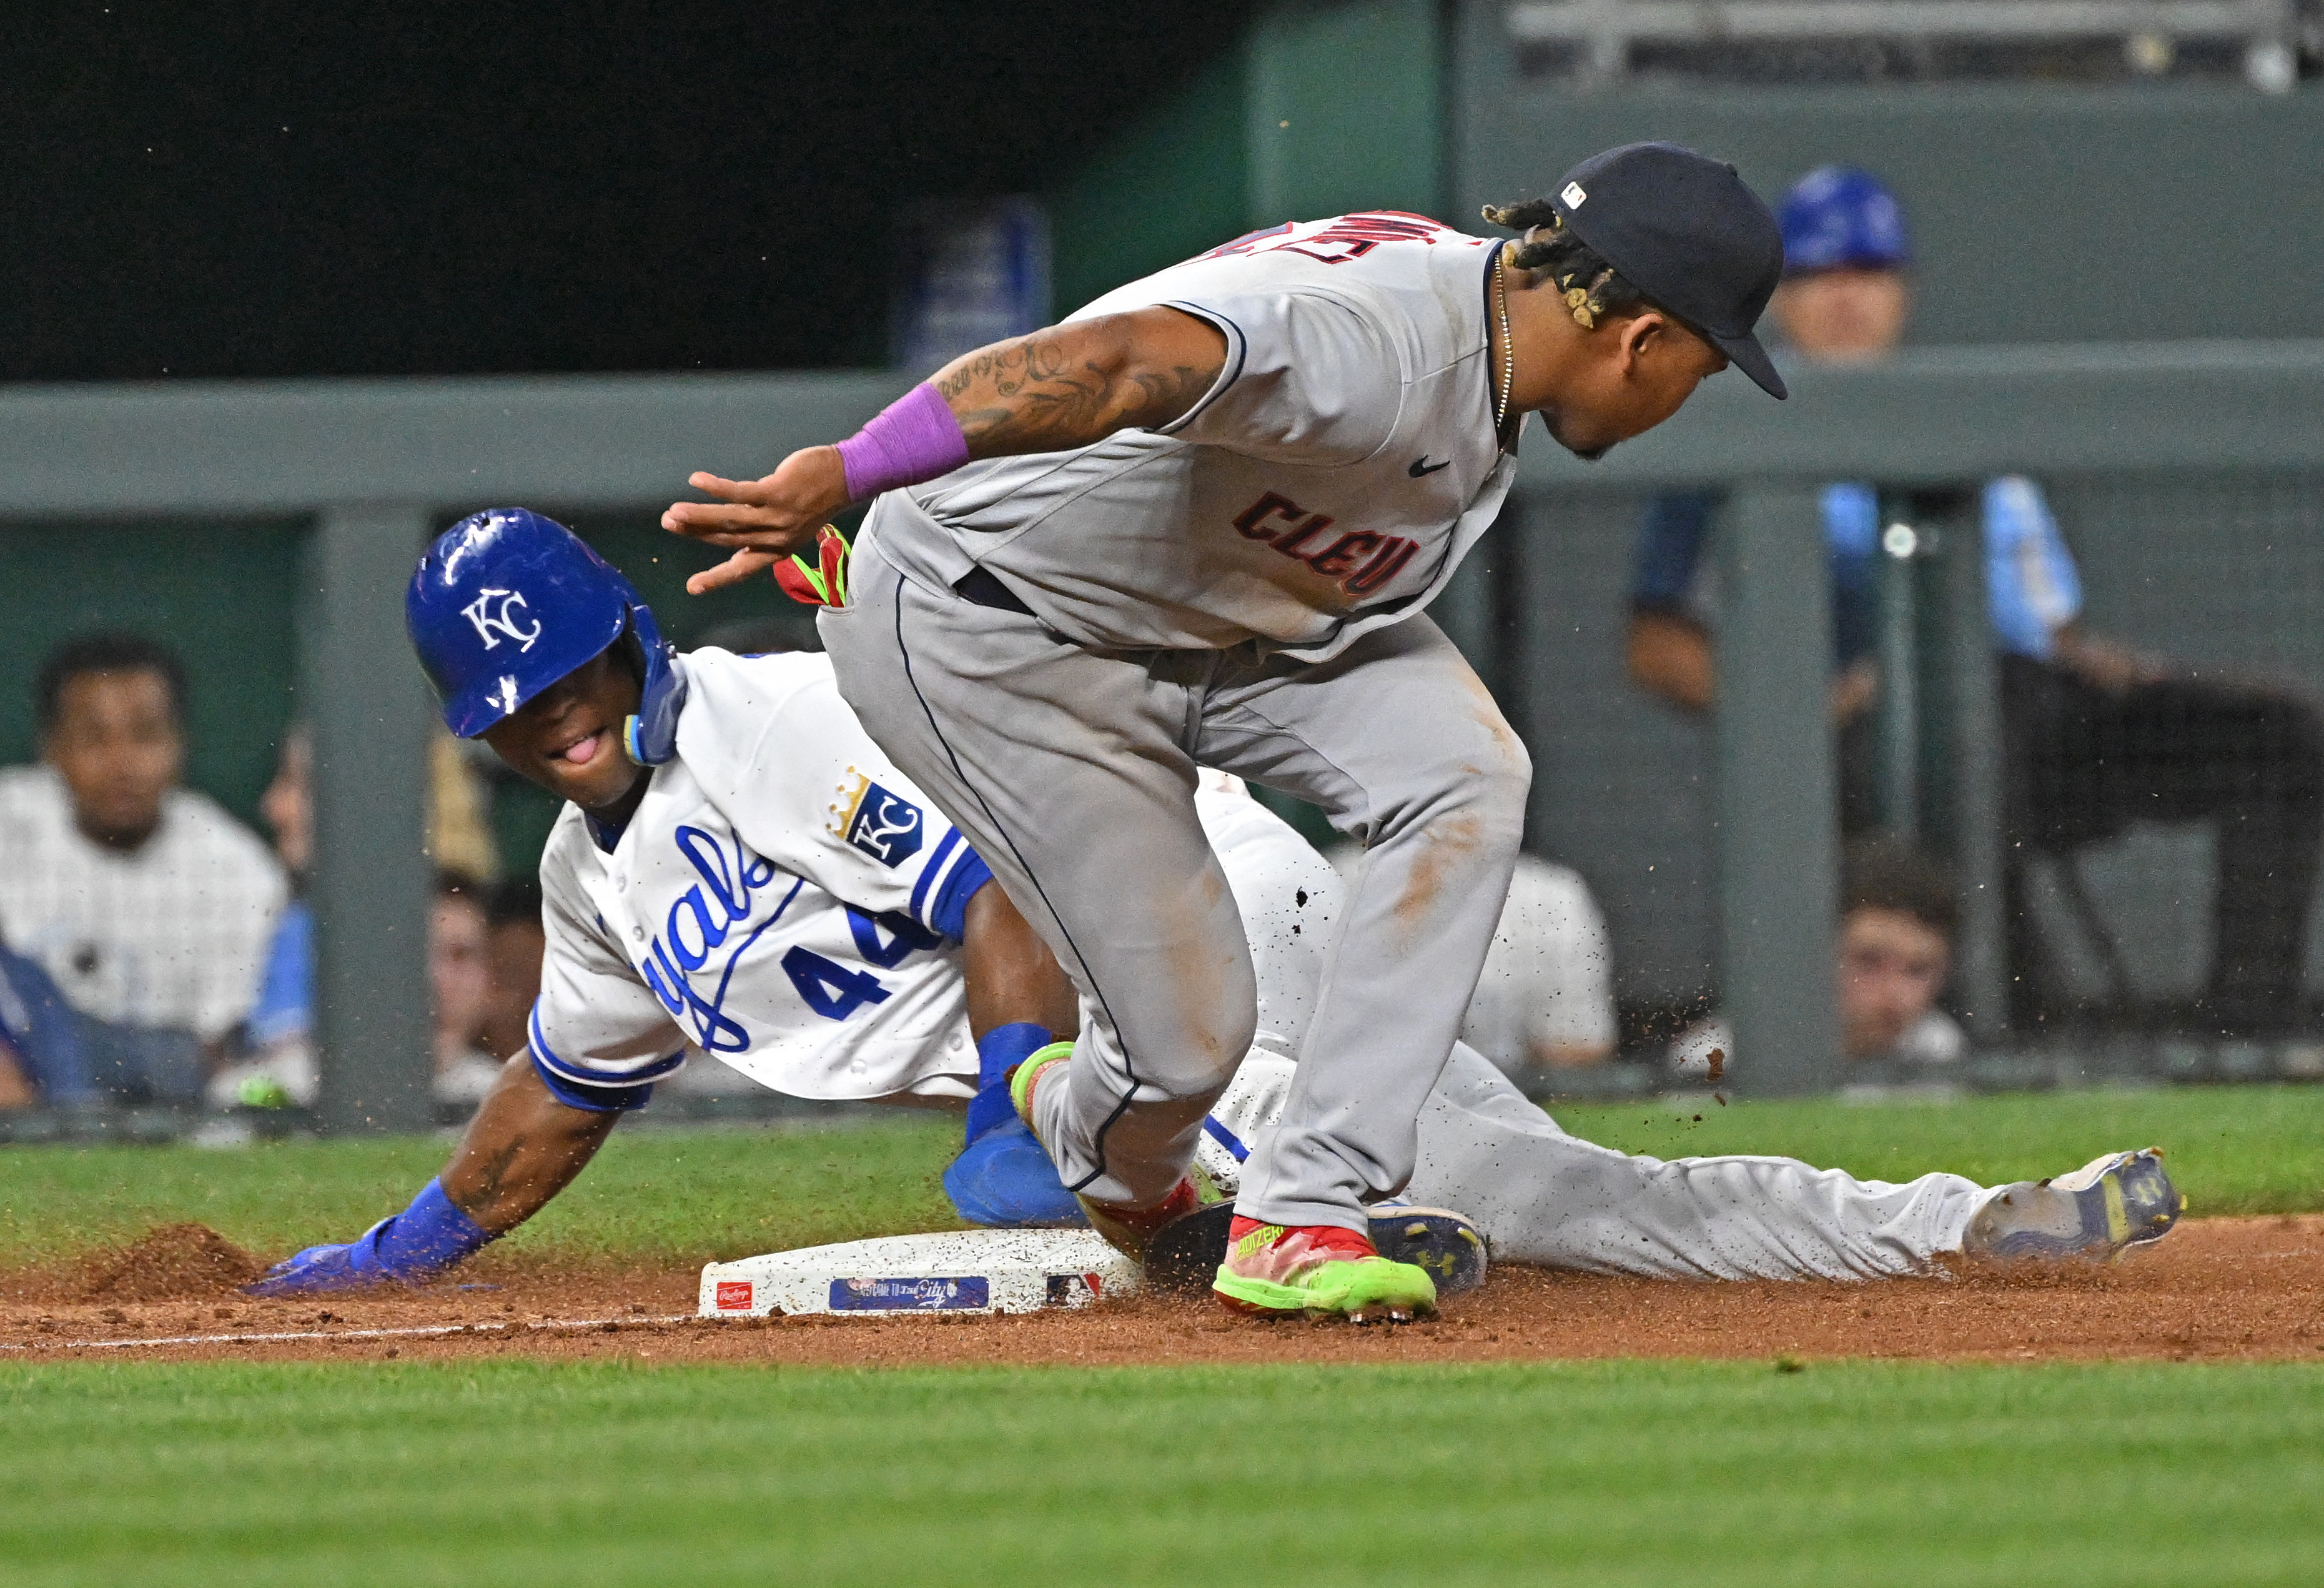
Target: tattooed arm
column 1072, row 384
column 1059, row 388
column 523, row 1147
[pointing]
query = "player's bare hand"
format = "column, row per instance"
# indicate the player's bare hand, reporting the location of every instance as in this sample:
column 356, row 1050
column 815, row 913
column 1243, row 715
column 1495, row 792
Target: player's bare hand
column 760, row 521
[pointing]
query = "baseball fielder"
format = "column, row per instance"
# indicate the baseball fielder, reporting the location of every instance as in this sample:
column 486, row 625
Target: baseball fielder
column 1197, row 524
column 741, row 872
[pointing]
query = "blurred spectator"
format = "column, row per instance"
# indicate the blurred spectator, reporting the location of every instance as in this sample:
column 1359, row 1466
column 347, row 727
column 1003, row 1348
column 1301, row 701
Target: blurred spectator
column 459, row 837
column 39, row 1046
column 16, row 1085
column 1545, row 997
column 515, row 943
column 459, row 987
column 2095, row 736
column 278, row 1065
column 1895, row 951
column 147, row 905
column 277, row 1068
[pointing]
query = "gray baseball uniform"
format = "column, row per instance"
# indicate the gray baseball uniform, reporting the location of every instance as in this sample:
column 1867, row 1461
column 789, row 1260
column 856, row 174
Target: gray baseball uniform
column 1539, row 1195
column 1050, row 645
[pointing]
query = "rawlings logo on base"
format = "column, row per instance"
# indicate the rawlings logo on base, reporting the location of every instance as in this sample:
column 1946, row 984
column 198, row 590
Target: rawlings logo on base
column 733, row 1295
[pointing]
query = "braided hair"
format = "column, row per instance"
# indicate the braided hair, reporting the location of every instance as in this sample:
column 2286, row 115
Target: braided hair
column 1589, row 285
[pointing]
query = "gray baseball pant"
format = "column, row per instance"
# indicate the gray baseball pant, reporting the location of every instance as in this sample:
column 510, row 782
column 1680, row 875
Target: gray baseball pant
column 1072, row 773
column 1542, row 1196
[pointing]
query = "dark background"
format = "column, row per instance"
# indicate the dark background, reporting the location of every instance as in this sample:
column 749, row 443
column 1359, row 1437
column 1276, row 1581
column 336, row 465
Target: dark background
column 278, row 188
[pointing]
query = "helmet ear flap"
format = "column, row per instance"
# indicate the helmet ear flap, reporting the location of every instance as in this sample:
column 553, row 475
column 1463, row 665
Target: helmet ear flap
column 650, row 738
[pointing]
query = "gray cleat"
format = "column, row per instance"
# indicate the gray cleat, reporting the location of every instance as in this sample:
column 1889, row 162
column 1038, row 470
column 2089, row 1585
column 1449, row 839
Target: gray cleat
column 2102, row 1209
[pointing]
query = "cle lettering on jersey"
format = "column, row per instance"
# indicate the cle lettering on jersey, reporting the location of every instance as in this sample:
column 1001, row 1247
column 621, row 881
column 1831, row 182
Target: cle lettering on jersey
column 1351, row 236
column 1358, row 561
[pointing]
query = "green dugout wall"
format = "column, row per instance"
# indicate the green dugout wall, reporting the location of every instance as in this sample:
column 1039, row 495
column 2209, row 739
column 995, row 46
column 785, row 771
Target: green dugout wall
column 2041, row 213
column 266, row 529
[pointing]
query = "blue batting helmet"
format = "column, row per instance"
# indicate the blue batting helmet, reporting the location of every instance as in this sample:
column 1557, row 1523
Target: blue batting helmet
column 1837, row 215
column 506, row 601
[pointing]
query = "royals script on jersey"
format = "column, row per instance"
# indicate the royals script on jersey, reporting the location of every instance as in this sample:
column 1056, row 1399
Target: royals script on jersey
column 783, row 899
column 1329, row 482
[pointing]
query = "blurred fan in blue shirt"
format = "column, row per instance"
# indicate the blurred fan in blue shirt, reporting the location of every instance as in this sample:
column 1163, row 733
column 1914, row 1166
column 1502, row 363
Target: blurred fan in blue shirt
column 2095, row 734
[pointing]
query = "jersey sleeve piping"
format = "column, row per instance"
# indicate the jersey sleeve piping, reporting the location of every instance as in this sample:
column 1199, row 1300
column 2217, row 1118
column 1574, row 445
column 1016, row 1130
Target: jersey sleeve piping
column 1229, row 374
column 953, row 874
column 548, row 1058
column 949, row 913
column 591, row 1099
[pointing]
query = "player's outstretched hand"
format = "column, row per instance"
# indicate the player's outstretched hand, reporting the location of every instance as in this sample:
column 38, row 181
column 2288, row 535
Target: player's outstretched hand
column 410, row 1249
column 321, row 1270
column 761, row 521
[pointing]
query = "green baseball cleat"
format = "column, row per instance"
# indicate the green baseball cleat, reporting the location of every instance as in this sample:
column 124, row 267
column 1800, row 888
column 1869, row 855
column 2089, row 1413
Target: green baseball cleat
column 1321, row 1271
column 1184, row 1255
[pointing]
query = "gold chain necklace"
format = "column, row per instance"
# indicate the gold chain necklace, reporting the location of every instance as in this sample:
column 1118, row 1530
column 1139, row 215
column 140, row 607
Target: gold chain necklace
column 1509, row 351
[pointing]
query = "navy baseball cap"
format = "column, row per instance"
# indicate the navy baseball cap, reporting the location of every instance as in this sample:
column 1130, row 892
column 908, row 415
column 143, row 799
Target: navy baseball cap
column 1684, row 229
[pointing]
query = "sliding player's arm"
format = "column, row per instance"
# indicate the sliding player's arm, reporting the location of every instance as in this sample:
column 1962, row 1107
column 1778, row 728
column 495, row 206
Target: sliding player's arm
column 1012, row 977
column 1055, row 389
column 523, row 1147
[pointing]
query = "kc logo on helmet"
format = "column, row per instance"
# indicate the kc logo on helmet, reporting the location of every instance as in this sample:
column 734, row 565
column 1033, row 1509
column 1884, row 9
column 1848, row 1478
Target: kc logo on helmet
column 476, row 612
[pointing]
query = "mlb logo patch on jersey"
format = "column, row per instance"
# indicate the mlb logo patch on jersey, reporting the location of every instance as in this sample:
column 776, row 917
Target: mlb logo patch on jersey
column 886, row 826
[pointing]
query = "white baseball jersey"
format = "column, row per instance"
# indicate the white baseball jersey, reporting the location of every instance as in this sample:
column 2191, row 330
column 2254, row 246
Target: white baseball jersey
column 783, row 898
column 1548, row 980
column 1326, row 484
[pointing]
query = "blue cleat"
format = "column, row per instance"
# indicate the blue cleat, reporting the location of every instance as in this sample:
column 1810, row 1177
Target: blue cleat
column 1004, row 1180
column 2101, row 1210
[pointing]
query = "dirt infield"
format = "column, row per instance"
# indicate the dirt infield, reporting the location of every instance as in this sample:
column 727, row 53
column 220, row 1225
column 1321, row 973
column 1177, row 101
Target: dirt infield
column 2215, row 1289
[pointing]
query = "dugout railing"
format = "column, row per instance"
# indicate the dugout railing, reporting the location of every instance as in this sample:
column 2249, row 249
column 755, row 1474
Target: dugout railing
column 2232, row 415
column 373, row 467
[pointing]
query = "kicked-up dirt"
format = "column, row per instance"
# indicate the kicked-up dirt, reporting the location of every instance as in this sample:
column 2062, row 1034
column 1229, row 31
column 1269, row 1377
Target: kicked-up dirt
column 2248, row 1289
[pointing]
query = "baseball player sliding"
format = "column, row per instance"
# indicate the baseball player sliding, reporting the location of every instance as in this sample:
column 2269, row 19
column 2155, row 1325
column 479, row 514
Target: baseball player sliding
column 741, row 871
column 1197, row 524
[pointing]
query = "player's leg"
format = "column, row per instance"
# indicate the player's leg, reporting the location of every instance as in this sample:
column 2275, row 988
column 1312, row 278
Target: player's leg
column 1400, row 742
column 1067, row 771
column 1547, row 1197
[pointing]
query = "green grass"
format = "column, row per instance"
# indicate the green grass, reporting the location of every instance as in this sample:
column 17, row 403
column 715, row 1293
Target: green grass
column 689, row 1196
column 2233, row 1149
column 1605, row 1473
column 683, row 1196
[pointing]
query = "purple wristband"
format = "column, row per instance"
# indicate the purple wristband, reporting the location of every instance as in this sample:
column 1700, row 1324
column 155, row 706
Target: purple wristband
column 913, row 439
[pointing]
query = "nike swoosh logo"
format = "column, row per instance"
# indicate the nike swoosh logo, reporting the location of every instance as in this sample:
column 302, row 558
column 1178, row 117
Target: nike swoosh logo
column 1421, row 466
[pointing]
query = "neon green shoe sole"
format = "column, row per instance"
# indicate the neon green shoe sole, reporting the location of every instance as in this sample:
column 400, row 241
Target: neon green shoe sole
column 1029, row 1070
column 1359, row 1289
